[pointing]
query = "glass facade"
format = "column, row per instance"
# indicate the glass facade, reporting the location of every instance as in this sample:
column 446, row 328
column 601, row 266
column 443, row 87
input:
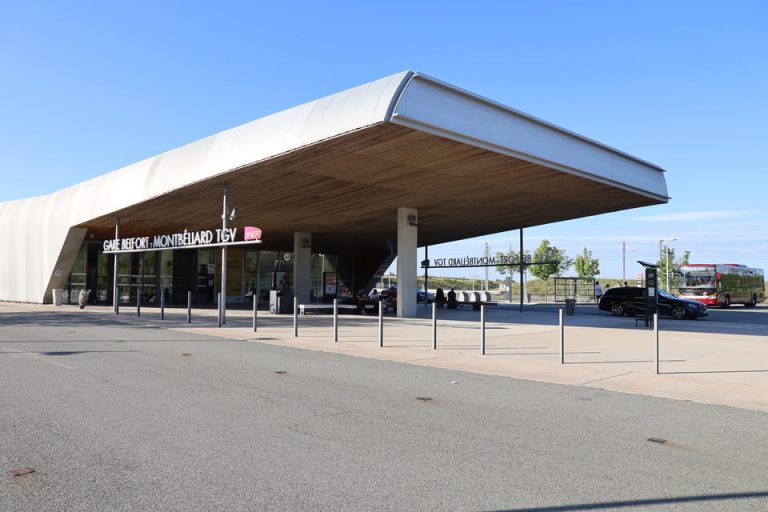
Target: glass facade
column 174, row 273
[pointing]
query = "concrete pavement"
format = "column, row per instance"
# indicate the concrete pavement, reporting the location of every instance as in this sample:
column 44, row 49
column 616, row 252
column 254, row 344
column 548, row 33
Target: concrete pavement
column 710, row 361
column 116, row 414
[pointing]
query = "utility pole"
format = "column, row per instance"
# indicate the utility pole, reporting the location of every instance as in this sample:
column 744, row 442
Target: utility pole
column 623, row 262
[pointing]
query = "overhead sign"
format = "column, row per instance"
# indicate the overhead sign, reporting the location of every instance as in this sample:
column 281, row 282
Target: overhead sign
column 479, row 261
column 183, row 240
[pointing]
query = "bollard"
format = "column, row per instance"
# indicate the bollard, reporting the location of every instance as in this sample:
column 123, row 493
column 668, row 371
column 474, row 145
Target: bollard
column 295, row 317
column 562, row 338
column 138, row 302
column 335, row 319
column 434, row 326
column 656, row 335
column 482, row 329
column 255, row 309
column 218, row 301
column 381, row 324
column 162, row 304
column 189, row 307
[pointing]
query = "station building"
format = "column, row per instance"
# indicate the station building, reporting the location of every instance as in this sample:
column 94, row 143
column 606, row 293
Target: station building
column 339, row 187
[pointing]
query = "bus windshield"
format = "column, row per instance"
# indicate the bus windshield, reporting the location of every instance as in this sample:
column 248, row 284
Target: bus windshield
column 698, row 279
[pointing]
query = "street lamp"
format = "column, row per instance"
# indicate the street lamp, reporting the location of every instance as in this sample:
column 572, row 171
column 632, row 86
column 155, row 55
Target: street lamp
column 666, row 257
column 226, row 214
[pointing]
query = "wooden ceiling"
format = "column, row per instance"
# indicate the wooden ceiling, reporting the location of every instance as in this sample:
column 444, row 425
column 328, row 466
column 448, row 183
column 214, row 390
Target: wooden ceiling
column 346, row 191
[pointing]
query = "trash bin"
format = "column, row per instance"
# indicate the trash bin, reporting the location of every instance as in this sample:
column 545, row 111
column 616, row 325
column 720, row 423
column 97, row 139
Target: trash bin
column 570, row 307
column 57, row 296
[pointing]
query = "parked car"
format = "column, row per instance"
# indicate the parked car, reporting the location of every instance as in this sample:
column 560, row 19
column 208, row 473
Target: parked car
column 629, row 300
column 420, row 297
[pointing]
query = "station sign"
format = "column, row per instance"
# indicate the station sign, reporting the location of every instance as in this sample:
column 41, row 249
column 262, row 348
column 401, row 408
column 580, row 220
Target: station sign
column 182, row 240
column 476, row 261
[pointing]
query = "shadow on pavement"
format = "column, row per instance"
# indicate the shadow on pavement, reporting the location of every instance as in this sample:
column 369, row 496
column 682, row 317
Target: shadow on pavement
column 607, row 505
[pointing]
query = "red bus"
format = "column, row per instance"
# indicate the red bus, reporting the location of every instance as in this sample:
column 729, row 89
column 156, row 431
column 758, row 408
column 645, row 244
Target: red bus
column 722, row 284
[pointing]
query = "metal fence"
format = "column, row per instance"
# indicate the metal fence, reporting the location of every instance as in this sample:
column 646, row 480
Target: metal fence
column 582, row 289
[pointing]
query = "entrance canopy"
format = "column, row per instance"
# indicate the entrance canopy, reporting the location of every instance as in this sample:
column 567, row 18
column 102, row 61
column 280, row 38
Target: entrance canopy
column 339, row 168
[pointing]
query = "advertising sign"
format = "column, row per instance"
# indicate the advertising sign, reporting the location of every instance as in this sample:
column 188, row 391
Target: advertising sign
column 330, row 284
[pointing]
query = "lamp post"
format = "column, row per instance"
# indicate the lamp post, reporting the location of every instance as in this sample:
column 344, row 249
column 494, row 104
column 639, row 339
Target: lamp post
column 666, row 259
column 224, row 216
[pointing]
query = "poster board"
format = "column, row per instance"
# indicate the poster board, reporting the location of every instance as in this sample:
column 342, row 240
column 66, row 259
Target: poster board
column 330, row 285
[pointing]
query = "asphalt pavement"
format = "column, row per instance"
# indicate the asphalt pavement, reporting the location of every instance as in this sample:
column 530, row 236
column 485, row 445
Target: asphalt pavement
column 116, row 417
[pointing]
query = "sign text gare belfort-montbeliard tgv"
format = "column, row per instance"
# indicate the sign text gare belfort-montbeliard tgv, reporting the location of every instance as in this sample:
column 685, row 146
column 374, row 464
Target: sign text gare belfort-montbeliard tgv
column 185, row 238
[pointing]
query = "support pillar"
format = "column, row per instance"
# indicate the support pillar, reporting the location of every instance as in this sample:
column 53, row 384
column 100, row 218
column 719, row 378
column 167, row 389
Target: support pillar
column 522, row 271
column 407, row 243
column 302, row 266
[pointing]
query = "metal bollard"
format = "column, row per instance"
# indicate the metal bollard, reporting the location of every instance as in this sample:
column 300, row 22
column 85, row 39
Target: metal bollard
column 381, row 324
column 138, row 302
column 218, row 301
column 482, row 329
column 295, row 317
column 562, row 338
column 656, row 335
column 162, row 304
column 189, row 307
column 335, row 319
column 255, row 310
column 434, row 326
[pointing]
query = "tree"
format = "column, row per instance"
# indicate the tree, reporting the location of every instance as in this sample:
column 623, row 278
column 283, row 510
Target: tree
column 585, row 265
column 511, row 255
column 547, row 252
column 674, row 265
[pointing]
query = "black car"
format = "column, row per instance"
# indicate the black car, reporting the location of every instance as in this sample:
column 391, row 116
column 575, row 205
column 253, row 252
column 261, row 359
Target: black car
column 630, row 300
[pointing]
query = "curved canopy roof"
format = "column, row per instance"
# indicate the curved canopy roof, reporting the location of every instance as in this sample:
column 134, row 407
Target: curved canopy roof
column 339, row 167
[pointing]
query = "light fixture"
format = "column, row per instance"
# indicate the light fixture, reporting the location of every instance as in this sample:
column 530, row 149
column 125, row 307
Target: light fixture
column 233, row 213
column 412, row 220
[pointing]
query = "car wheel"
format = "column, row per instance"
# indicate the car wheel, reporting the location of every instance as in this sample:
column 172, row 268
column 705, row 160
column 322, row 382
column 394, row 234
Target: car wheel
column 678, row 313
column 727, row 302
column 617, row 309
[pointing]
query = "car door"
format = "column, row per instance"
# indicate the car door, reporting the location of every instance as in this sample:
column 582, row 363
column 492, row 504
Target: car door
column 634, row 299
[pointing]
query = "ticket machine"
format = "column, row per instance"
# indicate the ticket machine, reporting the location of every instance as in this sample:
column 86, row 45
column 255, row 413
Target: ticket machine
column 651, row 293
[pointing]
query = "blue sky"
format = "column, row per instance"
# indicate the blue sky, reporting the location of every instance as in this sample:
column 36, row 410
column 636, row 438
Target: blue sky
column 88, row 87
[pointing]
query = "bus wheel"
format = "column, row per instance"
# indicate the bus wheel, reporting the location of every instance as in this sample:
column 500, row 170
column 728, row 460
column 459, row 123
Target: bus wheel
column 727, row 302
column 752, row 303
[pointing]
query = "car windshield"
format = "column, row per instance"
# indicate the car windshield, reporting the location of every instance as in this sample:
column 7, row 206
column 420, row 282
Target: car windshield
column 666, row 294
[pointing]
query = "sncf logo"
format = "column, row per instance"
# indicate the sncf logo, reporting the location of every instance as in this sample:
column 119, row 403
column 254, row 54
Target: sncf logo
column 252, row 233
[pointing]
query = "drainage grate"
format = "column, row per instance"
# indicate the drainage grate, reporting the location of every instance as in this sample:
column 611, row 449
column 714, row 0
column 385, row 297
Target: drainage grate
column 657, row 440
column 20, row 471
column 424, row 398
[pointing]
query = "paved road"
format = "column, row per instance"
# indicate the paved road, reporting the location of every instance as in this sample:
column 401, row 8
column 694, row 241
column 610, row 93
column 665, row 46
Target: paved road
column 116, row 417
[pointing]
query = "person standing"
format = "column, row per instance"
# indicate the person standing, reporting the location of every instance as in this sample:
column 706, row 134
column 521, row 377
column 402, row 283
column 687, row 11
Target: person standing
column 598, row 291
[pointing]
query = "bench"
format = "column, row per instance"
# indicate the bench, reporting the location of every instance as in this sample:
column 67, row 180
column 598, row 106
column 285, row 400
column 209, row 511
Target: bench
column 473, row 299
column 642, row 317
column 305, row 309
